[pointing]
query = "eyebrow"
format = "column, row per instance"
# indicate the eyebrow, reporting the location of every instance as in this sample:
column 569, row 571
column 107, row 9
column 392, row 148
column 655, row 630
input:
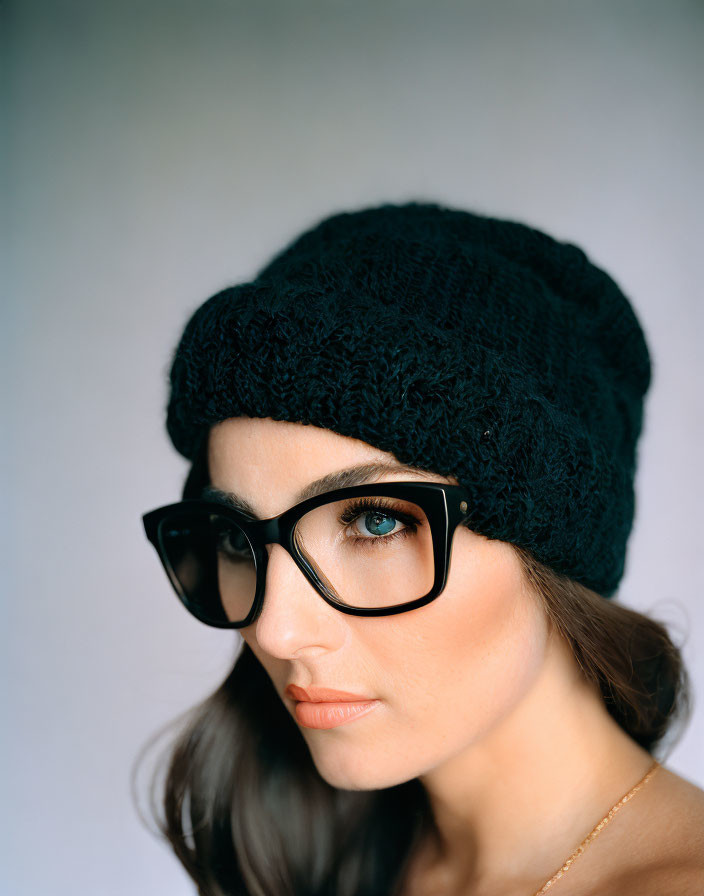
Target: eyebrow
column 357, row 475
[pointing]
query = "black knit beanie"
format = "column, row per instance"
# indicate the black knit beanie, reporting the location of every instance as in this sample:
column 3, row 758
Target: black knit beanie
column 463, row 344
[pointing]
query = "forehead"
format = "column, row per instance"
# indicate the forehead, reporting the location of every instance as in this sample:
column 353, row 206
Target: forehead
column 241, row 445
column 265, row 465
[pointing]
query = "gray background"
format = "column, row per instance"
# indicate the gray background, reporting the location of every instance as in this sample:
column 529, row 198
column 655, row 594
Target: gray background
column 160, row 151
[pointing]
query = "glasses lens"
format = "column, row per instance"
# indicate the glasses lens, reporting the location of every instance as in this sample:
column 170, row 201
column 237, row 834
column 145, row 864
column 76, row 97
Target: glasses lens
column 369, row 551
column 211, row 563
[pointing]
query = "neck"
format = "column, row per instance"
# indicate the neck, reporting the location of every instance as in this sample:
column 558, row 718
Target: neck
column 513, row 806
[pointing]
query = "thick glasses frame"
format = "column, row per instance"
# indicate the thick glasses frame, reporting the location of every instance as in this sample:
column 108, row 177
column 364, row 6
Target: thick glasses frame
column 444, row 505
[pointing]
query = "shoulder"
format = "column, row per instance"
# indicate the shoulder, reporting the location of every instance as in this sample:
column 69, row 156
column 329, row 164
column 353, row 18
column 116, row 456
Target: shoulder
column 667, row 842
column 672, row 878
column 679, row 803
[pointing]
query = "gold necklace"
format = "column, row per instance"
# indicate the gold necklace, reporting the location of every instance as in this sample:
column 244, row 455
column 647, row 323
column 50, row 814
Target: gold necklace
column 597, row 830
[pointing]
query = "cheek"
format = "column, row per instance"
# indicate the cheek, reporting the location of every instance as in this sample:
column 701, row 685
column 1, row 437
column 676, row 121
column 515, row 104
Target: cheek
column 447, row 673
column 454, row 668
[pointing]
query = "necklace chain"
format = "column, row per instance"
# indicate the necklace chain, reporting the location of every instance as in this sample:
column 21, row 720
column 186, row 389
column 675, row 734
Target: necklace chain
column 597, row 830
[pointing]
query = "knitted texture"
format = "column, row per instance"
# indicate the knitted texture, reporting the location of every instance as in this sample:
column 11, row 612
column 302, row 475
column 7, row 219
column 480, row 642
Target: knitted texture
column 460, row 343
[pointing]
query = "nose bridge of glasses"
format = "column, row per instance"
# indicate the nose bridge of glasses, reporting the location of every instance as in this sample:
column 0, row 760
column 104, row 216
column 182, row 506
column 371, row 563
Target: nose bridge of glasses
column 267, row 531
column 275, row 531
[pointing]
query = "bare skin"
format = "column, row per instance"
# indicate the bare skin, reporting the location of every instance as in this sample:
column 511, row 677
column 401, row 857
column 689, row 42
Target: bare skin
column 479, row 699
column 656, row 847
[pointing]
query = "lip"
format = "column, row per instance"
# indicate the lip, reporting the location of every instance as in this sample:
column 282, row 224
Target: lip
column 331, row 715
column 324, row 695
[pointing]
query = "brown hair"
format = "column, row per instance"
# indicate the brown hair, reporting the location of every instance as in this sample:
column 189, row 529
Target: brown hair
column 246, row 811
column 631, row 657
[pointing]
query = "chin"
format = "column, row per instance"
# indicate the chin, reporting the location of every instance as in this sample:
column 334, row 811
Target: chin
column 345, row 779
column 349, row 768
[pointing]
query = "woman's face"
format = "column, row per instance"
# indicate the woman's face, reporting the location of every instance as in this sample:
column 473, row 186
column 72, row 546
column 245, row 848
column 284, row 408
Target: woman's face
column 444, row 675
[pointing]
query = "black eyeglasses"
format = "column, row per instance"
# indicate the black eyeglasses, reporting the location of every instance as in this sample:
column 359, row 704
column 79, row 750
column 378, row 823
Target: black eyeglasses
column 368, row 550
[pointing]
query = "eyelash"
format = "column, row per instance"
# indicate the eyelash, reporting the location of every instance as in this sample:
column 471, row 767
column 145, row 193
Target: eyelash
column 362, row 505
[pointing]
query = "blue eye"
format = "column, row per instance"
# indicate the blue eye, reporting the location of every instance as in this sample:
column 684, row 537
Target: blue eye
column 376, row 523
column 231, row 542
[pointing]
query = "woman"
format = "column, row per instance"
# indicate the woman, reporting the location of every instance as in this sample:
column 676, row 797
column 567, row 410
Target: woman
column 413, row 442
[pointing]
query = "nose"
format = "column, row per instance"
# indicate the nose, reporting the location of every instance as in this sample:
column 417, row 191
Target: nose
column 295, row 621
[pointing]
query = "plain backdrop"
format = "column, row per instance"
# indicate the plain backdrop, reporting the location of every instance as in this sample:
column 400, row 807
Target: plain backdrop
column 159, row 151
